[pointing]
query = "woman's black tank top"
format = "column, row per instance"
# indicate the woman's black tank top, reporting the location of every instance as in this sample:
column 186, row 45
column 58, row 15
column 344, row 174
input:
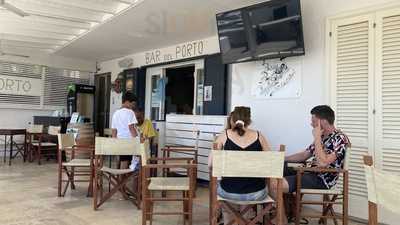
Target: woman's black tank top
column 240, row 185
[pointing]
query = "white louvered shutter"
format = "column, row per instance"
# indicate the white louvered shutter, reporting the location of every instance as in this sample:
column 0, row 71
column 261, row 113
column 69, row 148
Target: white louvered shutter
column 19, row 71
column 56, row 83
column 387, row 82
column 352, row 94
column 388, row 90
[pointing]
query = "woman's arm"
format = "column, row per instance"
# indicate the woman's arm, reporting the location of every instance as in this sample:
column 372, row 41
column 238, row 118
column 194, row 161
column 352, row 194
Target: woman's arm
column 217, row 145
column 264, row 143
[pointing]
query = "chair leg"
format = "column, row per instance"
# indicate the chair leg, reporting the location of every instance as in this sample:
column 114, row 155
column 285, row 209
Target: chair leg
column 298, row 208
column 144, row 203
column 325, row 210
column 190, row 208
column 151, row 208
column 72, row 178
column 90, row 187
column 59, row 180
column 95, row 189
column 185, row 206
column 39, row 151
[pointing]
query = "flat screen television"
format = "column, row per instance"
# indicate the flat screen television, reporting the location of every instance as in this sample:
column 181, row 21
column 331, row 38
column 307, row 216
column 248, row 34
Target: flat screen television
column 267, row 30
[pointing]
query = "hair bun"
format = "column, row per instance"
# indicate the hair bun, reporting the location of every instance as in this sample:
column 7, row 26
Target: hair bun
column 239, row 122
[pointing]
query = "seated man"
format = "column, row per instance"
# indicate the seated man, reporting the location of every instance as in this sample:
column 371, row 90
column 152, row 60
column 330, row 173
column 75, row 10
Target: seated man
column 328, row 150
column 146, row 129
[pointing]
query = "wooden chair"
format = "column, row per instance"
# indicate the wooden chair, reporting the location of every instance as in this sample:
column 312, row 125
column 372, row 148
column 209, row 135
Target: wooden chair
column 337, row 195
column 33, row 135
column 383, row 190
column 152, row 184
column 47, row 143
column 80, row 157
column 118, row 178
column 256, row 164
column 182, row 152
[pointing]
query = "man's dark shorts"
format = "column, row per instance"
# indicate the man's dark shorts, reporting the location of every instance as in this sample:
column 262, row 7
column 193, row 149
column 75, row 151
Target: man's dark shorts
column 308, row 180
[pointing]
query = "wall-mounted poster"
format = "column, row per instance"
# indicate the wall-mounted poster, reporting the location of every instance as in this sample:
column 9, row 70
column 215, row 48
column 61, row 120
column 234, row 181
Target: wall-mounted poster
column 276, row 79
column 207, row 93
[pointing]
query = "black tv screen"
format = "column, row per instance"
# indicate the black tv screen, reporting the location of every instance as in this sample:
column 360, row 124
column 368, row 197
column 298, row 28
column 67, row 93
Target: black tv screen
column 268, row 30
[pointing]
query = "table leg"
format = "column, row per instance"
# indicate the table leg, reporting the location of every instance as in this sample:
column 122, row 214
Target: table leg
column 5, row 148
column 11, row 150
column 25, row 148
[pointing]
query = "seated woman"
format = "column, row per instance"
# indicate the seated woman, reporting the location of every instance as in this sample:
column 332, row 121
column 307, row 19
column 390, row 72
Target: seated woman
column 241, row 138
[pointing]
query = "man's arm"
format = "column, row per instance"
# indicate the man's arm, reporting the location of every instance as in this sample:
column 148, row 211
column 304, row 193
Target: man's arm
column 298, row 157
column 323, row 158
column 133, row 131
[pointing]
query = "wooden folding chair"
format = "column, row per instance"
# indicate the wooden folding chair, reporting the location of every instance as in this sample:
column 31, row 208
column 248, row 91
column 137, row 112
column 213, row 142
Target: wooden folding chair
column 383, row 190
column 337, row 195
column 255, row 164
column 47, row 144
column 152, row 184
column 79, row 163
column 182, row 152
column 33, row 136
column 118, row 178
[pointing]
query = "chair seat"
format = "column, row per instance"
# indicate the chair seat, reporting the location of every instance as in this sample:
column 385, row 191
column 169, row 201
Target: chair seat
column 169, row 184
column 45, row 144
column 333, row 191
column 78, row 162
column 116, row 171
column 267, row 199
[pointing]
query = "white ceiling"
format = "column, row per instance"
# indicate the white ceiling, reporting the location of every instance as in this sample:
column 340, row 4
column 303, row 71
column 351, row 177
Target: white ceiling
column 84, row 28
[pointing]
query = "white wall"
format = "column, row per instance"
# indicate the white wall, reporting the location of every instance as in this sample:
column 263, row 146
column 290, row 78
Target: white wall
column 19, row 118
column 282, row 121
column 287, row 121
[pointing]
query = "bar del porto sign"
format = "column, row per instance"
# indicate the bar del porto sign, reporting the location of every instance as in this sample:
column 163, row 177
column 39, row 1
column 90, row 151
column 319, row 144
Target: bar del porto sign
column 14, row 85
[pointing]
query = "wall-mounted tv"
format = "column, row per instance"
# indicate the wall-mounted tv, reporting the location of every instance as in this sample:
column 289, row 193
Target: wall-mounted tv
column 272, row 29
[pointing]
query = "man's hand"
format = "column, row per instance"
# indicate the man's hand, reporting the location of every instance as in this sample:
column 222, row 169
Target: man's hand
column 317, row 131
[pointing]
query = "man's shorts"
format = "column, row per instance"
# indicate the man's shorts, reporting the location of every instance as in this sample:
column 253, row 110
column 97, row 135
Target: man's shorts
column 308, row 180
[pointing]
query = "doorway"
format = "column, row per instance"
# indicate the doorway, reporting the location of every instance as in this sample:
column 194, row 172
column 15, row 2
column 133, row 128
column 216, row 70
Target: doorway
column 179, row 90
column 102, row 102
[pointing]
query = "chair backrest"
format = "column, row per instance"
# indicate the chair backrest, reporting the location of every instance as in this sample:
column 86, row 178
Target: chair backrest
column 145, row 152
column 35, row 129
column 347, row 159
column 65, row 140
column 262, row 164
column 115, row 146
column 54, row 130
column 383, row 187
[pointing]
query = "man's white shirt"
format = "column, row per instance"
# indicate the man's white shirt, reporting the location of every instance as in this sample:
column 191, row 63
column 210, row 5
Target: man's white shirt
column 121, row 120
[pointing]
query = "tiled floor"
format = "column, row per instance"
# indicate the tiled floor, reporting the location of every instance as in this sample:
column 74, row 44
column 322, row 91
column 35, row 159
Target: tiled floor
column 28, row 196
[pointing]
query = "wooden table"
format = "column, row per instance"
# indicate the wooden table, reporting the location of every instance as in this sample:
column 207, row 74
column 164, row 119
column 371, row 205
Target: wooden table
column 12, row 133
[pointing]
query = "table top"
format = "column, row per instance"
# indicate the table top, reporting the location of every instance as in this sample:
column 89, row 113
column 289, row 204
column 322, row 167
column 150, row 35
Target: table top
column 12, row 131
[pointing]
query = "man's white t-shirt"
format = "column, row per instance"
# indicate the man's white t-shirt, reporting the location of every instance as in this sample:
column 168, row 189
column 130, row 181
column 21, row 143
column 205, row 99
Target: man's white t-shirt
column 121, row 120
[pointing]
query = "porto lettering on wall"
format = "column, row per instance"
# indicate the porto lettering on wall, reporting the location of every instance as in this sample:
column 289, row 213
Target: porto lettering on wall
column 187, row 50
column 10, row 85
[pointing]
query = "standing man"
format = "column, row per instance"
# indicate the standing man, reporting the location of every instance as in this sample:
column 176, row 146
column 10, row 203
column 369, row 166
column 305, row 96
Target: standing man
column 123, row 126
